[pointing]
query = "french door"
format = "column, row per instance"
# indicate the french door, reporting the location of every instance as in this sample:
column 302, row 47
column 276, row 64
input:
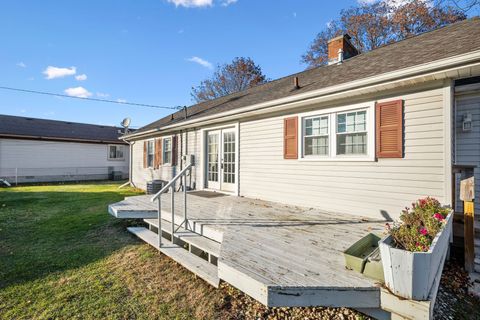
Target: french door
column 221, row 159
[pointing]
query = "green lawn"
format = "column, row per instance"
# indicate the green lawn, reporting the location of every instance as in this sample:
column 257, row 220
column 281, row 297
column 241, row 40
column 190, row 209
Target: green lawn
column 62, row 256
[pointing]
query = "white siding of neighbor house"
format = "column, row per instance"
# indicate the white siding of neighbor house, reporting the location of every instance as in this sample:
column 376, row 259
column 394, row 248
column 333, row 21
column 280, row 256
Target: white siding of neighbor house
column 467, row 144
column 39, row 159
column 188, row 143
column 371, row 188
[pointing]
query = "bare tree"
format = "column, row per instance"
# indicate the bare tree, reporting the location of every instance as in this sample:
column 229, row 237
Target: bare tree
column 378, row 23
column 240, row 74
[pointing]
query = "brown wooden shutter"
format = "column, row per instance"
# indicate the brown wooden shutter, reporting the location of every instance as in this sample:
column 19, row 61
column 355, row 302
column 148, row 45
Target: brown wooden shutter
column 174, row 150
column 158, row 152
column 389, row 129
column 290, row 140
column 144, row 154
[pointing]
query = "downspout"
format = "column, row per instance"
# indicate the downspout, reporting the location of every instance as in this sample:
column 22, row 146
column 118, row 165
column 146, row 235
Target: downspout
column 130, row 166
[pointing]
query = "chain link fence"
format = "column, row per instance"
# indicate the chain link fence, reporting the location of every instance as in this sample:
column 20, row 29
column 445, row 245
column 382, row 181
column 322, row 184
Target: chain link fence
column 16, row 176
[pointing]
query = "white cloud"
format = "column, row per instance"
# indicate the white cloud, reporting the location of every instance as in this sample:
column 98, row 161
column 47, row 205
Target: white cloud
column 121, row 100
column 55, row 72
column 192, row 3
column 81, row 77
column 366, row 1
column 21, row 64
column 79, row 92
column 226, row 3
column 102, row 95
column 202, row 62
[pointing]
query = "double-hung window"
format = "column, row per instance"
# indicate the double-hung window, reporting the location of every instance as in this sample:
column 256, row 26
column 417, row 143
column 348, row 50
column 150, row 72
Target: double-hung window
column 167, row 150
column 316, row 138
column 352, row 133
column 150, row 153
column 342, row 133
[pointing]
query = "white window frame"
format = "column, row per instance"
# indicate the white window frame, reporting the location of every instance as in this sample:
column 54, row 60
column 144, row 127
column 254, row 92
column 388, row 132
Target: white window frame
column 304, row 136
column 164, row 140
column 332, row 133
column 116, row 146
column 153, row 153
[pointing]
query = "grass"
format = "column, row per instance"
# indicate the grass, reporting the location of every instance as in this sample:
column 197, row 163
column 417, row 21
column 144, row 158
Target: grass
column 63, row 257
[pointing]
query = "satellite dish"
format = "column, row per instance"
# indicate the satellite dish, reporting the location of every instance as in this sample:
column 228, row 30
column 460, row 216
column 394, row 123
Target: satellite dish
column 126, row 122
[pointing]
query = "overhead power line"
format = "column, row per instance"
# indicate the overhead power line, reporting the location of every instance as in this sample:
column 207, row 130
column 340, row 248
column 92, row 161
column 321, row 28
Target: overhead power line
column 89, row 99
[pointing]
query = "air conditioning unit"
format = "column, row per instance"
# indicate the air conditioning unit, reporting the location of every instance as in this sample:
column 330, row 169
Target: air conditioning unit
column 189, row 159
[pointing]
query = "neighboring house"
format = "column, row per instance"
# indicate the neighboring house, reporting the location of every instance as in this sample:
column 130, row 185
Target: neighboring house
column 40, row 150
column 365, row 135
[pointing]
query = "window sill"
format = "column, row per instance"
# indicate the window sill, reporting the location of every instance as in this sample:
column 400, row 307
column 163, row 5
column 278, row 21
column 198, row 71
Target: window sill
column 116, row 159
column 338, row 159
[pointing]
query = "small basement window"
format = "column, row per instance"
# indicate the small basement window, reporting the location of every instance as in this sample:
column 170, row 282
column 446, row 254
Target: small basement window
column 150, row 153
column 115, row 152
column 167, row 151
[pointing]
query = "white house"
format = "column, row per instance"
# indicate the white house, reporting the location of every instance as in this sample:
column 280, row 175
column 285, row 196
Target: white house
column 40, row 150
column 353, row 142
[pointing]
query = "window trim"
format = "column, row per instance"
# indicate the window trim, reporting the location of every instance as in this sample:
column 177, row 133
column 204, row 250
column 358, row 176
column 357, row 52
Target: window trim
column 153, row 153
column 115, row 159
column 332, row 133
column 164, row 162
column 303, row 136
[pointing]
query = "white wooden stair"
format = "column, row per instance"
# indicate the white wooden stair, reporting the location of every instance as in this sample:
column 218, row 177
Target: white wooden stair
column 195, row 264
column 131, row 208
column 194, row 239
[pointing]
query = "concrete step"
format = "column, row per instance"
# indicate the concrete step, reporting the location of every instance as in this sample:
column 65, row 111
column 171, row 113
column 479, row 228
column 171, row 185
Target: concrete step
column 205, row 244
column 195, row 264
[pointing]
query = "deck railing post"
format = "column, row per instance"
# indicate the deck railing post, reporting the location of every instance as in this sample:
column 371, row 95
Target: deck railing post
column 159, row 222
column 172, row 190
column 185, row 201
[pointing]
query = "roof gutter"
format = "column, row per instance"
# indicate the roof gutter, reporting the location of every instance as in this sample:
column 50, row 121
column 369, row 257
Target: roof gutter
column 422, row 70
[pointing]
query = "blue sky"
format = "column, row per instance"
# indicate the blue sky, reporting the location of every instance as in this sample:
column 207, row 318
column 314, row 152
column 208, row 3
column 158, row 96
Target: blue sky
column 150, row 51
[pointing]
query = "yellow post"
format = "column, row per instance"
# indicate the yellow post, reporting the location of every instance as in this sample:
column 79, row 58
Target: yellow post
column 469, row 233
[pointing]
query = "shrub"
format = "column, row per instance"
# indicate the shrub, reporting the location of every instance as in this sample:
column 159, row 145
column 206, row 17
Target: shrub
column 419, row 225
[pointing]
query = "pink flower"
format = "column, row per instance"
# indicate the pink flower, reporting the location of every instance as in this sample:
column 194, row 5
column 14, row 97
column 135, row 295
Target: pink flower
column 438, row 216
column 424, row 231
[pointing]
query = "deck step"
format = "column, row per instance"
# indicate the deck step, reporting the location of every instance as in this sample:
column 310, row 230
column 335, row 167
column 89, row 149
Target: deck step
column 131, row 209
column 197, row 265
column 203, row 243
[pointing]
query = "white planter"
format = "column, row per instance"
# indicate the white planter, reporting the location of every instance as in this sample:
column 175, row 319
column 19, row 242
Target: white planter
column 411, row 274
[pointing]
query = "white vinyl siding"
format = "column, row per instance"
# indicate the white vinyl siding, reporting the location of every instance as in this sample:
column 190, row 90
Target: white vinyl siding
column 188, row 143
column 372, row 188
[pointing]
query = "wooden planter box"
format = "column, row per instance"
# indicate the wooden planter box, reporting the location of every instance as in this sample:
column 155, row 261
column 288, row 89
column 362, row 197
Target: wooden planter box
column 411, row 274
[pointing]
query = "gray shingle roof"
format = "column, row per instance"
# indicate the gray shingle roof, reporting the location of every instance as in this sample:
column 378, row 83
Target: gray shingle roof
column 11, row 126
column 442, row 43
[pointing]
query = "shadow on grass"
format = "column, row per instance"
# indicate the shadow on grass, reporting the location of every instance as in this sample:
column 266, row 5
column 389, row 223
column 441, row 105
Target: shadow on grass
column 49, row 229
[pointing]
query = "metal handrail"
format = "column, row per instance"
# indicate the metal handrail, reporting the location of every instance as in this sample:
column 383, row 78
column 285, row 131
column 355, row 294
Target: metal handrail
column 157, row 196
column 171, row 182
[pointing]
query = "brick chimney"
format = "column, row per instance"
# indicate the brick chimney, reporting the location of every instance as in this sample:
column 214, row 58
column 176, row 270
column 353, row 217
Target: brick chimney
column 340, row 48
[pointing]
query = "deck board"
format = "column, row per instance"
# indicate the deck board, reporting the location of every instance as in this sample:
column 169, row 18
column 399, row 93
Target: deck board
column 280, row 248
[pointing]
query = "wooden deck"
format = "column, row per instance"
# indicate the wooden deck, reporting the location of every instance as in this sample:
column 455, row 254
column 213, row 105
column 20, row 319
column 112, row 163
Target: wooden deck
column 280, row 255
